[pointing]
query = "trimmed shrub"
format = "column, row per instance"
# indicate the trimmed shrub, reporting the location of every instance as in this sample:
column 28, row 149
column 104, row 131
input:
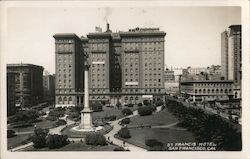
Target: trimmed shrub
column 130, row 105
column 96, row 107
column 119, row 149
column 146, row 102
column 60, row 122
column 146, row 110
column 124, row 121
column 153, row 107
column 75, row 116
column 159, row 103
column 118, row 105
column 11, row 133
column 110, row 118
column 124, row 133
column 51, row 118
column 95, row 139
column 139, row 104
column 39, row 139
column 127, row 111
column 57, row 112
column 56, row 141
column 153, row 143
column 24, row 116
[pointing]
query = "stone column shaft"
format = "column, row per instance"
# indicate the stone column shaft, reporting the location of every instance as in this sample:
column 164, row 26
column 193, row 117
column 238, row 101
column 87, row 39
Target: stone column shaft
column 86, row 88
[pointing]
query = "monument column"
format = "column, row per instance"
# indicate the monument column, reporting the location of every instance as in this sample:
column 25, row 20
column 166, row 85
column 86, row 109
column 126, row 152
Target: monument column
column 86, row 113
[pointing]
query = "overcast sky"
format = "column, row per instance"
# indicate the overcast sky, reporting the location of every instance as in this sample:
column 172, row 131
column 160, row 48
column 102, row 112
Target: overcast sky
column 193, row 33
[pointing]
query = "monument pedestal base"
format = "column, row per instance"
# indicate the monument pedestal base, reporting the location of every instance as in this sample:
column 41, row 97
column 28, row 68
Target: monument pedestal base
column 86, row 120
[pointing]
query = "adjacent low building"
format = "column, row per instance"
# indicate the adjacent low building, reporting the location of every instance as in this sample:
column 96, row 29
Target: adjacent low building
column 11, row 93
column 28, row 84
column 207, row 90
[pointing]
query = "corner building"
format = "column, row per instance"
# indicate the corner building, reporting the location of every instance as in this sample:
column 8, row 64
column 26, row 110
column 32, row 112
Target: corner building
column 124, row 66
column 28, row 83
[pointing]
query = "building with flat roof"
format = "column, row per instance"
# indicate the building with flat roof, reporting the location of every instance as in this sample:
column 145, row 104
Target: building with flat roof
column 28, row 84
column 11, row 93
column 124, row 66
column 49, row 87
column 207, row 90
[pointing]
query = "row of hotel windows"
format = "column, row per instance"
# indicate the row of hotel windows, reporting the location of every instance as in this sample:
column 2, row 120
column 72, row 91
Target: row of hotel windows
column 65, row 100
column 98, row 69
column 64, row 65
column 98, row 85
column 150, row 64
column 64, row 86
column 98, row 46
column 213, row 91
column 214, row 85
column 65, row 48
column 146, row 90
column 145, row 48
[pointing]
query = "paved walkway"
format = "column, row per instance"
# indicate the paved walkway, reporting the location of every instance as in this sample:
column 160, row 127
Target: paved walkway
column 165, row 126
column 117, row 127
column 23, row 133
column 56, row 130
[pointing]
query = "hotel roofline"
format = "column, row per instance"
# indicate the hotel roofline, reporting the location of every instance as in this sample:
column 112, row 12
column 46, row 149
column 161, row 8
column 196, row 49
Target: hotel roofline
column 208, row 81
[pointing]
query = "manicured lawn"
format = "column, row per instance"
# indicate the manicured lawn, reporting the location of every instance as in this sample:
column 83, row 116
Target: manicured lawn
column 110, row 111
column 80, row 146
column 173, row 134
column 17, row 140
column 164, row 135
column 42, row 124
column 160, row 118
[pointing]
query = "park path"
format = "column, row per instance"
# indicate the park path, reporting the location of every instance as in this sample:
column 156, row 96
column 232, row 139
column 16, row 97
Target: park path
column 56, row 130
column 116, row 141
column 117, row 127
column 18, row 148
column 165, row 126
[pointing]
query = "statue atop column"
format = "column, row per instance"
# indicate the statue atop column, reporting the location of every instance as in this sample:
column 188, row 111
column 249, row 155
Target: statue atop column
column 86, row 113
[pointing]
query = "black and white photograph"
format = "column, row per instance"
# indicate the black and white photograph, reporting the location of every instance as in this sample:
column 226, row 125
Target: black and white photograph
column 139, row 77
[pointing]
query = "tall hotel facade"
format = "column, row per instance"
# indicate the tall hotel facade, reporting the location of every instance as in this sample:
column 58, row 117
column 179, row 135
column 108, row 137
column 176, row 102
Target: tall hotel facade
column 231, row 57
column 124, row 66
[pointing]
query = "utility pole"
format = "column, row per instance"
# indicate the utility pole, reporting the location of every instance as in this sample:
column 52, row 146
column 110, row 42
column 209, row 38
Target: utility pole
column 180, row 86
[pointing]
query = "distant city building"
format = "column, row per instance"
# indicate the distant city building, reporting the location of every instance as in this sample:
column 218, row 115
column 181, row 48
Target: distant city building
column 212, row 72
column 28, row 84
column 172, row 87
column 124, row 66
column 11, row 93
column 231, row 56
column 197, row 70
column 169, row 75
column 49, row 87
column 215, row 72
column 207, row 90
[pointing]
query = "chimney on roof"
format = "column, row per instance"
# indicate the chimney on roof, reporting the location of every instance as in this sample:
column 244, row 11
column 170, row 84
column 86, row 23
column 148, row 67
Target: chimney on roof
column 108, row 30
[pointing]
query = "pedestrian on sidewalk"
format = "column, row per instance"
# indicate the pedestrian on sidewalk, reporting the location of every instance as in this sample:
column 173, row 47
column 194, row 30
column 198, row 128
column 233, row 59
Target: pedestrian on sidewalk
column 124, row 143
